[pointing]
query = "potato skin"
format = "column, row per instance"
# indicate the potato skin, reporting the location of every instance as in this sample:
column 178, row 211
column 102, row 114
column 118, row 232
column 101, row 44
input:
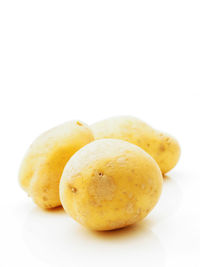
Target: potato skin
column 43, row 164
column 162, row 147
column 110, row 184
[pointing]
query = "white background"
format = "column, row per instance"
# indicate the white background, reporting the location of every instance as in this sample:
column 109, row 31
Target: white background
column 89, row 60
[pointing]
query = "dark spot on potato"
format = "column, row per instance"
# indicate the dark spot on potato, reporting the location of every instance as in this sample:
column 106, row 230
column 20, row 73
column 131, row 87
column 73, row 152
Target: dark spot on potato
column 45, row 198
column 162, row 147
column 72, row 188
column 100, row 174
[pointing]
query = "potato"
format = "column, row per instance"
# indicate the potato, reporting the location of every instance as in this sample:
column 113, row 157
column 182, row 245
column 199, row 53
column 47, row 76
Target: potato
column 110, row 184
column 45, row 160
column 162, row 147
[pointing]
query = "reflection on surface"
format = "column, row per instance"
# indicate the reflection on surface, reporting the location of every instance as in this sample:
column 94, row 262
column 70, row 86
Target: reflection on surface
column 169, row 203
column 58, row 240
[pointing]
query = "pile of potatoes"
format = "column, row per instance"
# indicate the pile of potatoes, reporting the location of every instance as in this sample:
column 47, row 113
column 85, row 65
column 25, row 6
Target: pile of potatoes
column 106, row 176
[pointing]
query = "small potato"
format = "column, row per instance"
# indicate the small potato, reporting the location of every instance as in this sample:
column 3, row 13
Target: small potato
column 45, row 160
column 110, row 184
column 162, row 147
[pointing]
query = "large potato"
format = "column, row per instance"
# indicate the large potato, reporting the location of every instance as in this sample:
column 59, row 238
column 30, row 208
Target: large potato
column 162, row 147
column 44, row 162
column 109, row 184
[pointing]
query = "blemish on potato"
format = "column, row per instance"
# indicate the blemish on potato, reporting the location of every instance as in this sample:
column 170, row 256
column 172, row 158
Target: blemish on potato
column 162, row 147
column 72, row 188
column 102, row 189
column 45, row 189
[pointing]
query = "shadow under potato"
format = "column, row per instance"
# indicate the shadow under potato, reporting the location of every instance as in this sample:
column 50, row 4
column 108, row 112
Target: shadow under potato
column 121, row 233
column 58, row 240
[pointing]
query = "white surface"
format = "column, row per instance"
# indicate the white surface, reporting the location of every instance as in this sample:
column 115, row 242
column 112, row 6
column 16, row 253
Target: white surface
column 88, row 60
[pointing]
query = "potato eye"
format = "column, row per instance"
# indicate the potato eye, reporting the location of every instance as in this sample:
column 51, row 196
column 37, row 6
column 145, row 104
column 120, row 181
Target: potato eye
column 73, row 189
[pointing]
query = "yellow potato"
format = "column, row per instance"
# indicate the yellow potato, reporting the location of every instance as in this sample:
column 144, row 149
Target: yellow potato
column 45, row 160
column 110, row 184
column 162, row 147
